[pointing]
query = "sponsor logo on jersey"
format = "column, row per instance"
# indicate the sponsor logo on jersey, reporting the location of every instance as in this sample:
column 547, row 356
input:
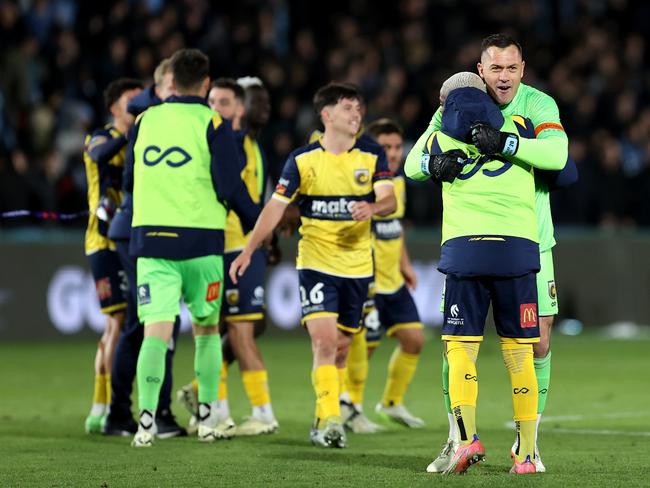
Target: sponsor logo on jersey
column 528, row 315
column 390, row 229
column 341, row 207
column 281, row 187
column 144, row 294
column 214, row 291
column 454, row 319
column 103, row 287
column 362, row 176
column 174, row 157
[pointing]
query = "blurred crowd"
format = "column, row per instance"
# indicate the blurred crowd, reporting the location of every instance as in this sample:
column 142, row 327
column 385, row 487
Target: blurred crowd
column 57, row 56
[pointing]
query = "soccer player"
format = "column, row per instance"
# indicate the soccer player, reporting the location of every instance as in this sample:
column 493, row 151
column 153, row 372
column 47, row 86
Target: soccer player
column 502, row 68
column 340, row 182
column 104, row 159
column 490, row 253
column 120, row 419
column 183, row 169
column 395, row 308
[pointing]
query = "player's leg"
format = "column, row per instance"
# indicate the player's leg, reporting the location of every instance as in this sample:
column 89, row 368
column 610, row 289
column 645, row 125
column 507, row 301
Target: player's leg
column 106, row 271
column 159, row 291
column 399, row 315
column 242, row 318
column 166, row 423
column 466, row 305
column 514, row 302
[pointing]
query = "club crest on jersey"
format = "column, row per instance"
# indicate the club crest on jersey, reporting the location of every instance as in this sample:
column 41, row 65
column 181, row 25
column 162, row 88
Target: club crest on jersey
column 362, row 176
column 552, row 292
column 232, row 297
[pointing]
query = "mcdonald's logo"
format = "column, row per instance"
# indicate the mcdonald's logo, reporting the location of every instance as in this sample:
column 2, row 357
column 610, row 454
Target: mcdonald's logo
column 214, row 291
column 528, row 315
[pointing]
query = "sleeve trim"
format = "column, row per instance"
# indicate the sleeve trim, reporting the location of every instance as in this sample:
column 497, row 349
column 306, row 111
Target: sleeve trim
column 548, row 126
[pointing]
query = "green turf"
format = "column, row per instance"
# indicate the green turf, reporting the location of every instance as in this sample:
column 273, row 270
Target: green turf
column 597, row 386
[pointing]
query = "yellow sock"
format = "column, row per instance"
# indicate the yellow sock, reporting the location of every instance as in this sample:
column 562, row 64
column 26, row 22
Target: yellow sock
column 401, row 369
column 326, row 386
column 99, row 393
column 223, row 382
column 343, row 380
column 357, row 367
column 256, row 384
column 521, row 367
column 317, row 413
column 109, row 392
column 463, row 386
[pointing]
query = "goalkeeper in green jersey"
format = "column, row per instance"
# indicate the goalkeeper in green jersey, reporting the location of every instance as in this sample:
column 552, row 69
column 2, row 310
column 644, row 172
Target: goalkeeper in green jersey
column 502, row 68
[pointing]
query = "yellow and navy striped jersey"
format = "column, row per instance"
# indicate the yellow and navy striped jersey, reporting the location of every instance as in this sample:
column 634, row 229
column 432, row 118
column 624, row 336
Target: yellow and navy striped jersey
column 104, row 152
column 326, row 186
column 387, row 244
column 254, row 176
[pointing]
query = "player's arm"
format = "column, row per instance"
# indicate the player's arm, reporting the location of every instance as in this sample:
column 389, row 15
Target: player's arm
column 129, row 158
column 285, row 192
column 549, row 150
column 382, row 183
column 414, row 157
column 225, row 171
column 102, row 147
column 436, row 164
column 406, row 268
column 558, row 180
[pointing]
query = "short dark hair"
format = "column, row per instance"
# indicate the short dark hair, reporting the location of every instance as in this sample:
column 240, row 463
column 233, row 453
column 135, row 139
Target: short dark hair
column 501, row 41
column 116, row 88
column 190, row 67
column 331, row 93
column 229, row 84
column 384, row 126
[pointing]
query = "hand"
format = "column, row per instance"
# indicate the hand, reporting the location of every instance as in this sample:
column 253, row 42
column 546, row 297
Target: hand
column 363, row 211
column 489, row 140
column 239, row 266
column 448, row 165
column 410, row 277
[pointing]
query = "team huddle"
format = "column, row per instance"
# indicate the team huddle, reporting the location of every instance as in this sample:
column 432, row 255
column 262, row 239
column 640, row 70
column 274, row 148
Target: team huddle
column 177, row 185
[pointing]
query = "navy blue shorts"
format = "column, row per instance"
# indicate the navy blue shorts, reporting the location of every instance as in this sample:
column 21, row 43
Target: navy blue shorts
column 110, row 280
column 514, row 307
column 245, row 300
column 323, row 295
column 395, row 311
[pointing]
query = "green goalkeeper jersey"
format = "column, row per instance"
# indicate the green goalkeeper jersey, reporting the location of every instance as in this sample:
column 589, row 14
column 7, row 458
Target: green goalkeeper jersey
column 548, row 151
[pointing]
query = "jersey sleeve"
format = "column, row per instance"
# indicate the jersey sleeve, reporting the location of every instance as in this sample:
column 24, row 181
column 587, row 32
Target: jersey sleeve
column 288, row 186
column 226, row 173
column 102, row 146
column 551, row 147
column 382, row 175
column 414, row 157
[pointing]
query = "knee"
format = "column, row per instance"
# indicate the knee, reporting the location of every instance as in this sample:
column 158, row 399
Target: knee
column 542, row 348
column 411, row 341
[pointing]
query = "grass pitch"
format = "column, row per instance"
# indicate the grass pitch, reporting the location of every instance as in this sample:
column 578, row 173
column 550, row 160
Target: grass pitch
column 596, row 430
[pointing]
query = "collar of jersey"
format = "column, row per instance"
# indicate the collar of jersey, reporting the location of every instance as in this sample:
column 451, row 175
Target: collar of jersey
column 319, row 142
column 186, row 99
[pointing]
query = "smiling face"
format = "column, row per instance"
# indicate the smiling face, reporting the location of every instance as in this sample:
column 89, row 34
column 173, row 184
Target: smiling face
column 344, row 116
column 502, row 70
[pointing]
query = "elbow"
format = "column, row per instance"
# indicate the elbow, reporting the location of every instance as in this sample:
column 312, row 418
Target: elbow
column 389, row 205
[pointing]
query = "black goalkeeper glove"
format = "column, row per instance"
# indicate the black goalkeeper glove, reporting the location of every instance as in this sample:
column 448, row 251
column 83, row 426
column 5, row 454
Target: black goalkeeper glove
column 447, row 166
column 489, row 140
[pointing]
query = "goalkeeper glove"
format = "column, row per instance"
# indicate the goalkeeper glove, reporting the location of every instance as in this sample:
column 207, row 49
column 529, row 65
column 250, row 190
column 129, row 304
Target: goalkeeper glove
column 446, row 166
column 489, row 140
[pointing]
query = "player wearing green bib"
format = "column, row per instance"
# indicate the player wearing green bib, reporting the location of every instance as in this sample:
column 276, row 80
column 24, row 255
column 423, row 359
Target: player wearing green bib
column 502, row 68
column 183, row 169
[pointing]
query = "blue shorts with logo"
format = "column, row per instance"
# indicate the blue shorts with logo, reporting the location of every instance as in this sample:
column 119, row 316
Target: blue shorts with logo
column 110, row 280
column 395, row 311
column 514, row 307
column 324, row 295
column 245, row 300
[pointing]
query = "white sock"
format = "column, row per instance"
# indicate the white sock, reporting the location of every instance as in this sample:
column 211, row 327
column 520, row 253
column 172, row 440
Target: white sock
column 453, row 429
column 98, row 409
column 358, row 407
column 147, row 421
column 264, row 413
column 223, row 408
column 539, row 419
